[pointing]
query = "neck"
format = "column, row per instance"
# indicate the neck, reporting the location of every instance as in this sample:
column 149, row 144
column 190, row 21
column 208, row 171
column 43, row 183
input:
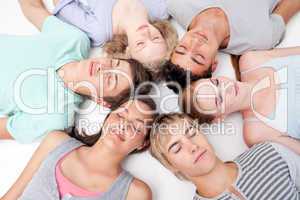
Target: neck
column 133, row 23
column 214, row 20
column 217, row 181
column 246, row 88
column 100, row 159
column 128, row 15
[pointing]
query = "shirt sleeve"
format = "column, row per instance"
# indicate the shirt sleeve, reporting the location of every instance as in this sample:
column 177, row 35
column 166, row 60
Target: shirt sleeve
column 81, row 16
column 26, row 128
column 293, row 161
column 73, row 44
column 53, row 25
column 278, row 29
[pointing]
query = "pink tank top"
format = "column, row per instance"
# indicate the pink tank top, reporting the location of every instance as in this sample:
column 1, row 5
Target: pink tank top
column 65, row 186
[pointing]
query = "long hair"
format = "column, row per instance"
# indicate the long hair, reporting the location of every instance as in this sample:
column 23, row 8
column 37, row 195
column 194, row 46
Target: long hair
column 119, row 43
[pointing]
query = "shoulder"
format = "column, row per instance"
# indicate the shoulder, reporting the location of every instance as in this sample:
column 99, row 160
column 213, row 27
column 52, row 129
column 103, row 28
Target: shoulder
column 139, row 190
column 54, row 139
column 58, row 28
column 253, row 59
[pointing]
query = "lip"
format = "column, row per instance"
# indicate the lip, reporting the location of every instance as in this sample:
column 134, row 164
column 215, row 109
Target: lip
column 120, row 136
column 142, row 27
column 91, row 68
column 200, row 155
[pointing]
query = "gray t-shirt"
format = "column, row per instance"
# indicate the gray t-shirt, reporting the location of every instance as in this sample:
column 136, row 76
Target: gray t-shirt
column 252, row 24
column 266, row 171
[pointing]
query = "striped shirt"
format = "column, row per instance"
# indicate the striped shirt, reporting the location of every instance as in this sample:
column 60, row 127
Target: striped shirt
column 266, row 172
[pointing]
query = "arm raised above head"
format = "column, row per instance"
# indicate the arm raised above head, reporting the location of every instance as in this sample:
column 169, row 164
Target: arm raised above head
column 256, row 58
column 35, row 11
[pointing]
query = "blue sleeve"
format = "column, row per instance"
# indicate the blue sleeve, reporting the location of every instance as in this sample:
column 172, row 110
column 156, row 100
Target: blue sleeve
column 54, row 25
column 26, row 128
column 73, row 12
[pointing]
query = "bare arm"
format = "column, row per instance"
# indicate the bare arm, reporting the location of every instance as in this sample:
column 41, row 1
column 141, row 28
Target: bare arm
column 256, row 58
column 49, row 143
column 139, row 191
column 4, row 134
column 287, row 9
column 35, row 11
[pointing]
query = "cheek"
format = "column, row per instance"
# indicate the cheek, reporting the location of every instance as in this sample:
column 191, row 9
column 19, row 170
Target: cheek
column 181, row 162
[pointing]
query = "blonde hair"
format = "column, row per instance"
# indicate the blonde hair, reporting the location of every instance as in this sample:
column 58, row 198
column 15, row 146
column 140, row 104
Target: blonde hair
column 117, row 46
column 156, row 148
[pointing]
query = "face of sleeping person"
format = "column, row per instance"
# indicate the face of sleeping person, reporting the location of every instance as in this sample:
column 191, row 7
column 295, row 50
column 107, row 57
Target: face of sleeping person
column 196, row 52
column 104, row 76
column 217, row 96
column 146, row 44
column 188, row 150
column 126, row 128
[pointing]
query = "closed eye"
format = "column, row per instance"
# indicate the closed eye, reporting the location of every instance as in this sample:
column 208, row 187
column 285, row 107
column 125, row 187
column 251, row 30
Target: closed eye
column 176, row 148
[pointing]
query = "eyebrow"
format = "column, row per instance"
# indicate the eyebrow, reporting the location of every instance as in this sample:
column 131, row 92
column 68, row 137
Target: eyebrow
column 216, row 99
column 187, row 129
column 179, row 52
column 192, row 58
column 139, row 120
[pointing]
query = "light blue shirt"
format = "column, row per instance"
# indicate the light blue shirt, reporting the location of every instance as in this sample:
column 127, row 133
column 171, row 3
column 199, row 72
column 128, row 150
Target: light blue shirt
column 32, row 95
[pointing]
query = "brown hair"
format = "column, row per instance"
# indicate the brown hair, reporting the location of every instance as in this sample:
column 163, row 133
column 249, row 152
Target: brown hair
column 235, row 59
column 187, row 105
column 117, row 46
column 140, row 76
column 90, row 140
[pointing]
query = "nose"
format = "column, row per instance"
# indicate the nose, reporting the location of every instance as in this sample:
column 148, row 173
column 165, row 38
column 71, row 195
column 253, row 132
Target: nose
column 194, row 148
column 191, row 146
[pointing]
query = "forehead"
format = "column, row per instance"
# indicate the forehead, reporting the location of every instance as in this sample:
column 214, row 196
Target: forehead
column 124, row 69
column 171, row 130
column 204, row 87
column 137, row 109
column 205, row 94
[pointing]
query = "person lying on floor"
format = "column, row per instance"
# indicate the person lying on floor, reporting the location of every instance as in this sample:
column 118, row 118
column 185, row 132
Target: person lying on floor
column 65, row 168
column 265, row 171
column 47, row 75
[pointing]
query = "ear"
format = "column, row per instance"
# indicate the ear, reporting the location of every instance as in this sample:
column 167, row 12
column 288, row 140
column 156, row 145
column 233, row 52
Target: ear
column 127, row 52
column 103, row 103
column 219, row 119
column 145, row 144
column 214, row 65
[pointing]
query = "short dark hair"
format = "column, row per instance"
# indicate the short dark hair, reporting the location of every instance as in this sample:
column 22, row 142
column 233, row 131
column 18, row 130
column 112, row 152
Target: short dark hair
column 90, row 140
column 140, row 75
column 176, row 74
